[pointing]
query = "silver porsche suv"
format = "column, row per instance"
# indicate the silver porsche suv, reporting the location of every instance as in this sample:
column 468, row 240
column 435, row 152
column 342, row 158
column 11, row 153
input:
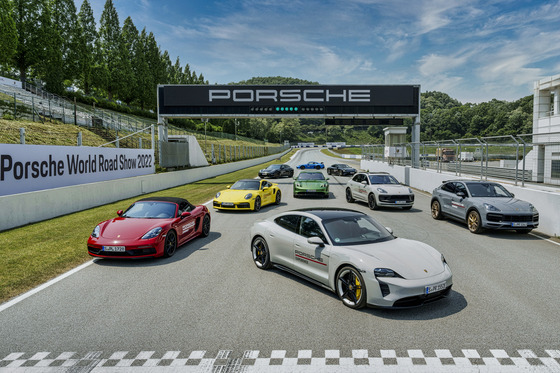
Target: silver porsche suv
column 483, row 205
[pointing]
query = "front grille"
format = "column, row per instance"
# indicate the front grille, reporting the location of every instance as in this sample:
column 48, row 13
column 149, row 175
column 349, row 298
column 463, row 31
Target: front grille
column 497, row 218
column 130, row 253
column 407, row 198
column 421, row 299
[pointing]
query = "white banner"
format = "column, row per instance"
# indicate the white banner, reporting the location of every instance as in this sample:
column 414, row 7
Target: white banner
column 27, row 168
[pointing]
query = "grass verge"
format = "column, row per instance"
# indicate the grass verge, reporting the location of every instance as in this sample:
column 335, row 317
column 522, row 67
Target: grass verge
column 36, row 253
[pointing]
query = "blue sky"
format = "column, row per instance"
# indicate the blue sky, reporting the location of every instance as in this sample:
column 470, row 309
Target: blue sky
column 472, row 50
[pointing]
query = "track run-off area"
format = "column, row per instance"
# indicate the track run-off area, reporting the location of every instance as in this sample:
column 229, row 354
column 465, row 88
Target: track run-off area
column 209, row 309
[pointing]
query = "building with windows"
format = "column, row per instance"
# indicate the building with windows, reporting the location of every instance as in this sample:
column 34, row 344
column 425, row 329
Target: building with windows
column 545, row 156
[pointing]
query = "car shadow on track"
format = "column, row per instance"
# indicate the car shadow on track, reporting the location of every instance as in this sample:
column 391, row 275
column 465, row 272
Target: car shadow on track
column 264, row 209
column 505, row 234
column 453, row 304
column 183, row 252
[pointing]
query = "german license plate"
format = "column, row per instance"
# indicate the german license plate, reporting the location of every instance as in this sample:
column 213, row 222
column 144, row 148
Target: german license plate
column 227, row 204
column 115, row 249
column 515, row 224
column 311, row 190
column 434, row 288
column 400, row 202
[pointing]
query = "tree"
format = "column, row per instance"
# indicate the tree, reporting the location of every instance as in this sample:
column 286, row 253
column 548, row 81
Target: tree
column 110, row 57
column 87, row 35
column 129, row 35
column 27, row 15
column 8, row 32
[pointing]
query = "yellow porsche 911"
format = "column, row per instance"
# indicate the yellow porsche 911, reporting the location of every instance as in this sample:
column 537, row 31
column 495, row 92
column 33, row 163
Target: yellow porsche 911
column 248, row 194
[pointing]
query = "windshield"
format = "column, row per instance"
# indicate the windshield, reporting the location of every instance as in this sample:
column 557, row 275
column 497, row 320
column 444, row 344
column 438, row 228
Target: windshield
column 343, row 166
column 356, row 230
column 488, row 190
column 246, row 185
column 311, row 176
column 151, row 210
column 382, row 179
column 273, row 167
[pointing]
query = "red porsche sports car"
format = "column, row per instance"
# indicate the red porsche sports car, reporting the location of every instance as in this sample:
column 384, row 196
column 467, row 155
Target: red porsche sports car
column 150, row 227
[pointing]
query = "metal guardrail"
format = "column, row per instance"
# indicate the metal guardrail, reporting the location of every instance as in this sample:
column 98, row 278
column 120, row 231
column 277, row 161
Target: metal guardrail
column 521, row 158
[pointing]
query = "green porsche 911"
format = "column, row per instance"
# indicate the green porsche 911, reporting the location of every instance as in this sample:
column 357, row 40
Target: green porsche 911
column 311, row 183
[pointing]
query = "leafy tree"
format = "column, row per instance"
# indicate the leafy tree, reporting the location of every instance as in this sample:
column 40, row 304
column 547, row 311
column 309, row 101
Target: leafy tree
column 29, row 50
column 87, row 35
column 8, row 32
column 109, row 71
column 129, row 36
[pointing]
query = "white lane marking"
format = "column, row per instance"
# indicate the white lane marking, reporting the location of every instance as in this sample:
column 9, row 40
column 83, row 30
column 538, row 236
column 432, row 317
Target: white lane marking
column 44, row 286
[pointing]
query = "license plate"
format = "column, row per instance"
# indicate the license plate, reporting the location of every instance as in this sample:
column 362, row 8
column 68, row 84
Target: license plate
column 311, row 190
column 434, row 288
column 400, row 202
column 116, row 249
column 227, row 204
column 518, row 224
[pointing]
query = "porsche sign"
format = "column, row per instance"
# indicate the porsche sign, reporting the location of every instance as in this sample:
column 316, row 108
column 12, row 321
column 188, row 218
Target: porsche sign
column 205, row 101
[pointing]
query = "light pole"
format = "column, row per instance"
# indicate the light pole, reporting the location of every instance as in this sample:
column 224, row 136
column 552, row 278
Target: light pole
column 236, row 124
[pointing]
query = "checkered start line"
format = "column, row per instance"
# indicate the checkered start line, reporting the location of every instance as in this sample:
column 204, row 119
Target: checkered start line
column 279, row 361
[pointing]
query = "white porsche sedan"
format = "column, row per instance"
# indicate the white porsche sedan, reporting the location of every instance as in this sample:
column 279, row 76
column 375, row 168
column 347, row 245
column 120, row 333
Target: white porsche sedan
column 350, row 253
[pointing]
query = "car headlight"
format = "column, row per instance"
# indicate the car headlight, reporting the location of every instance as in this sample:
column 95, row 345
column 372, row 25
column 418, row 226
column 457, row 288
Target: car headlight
column 248, row 196
column 298, row 185
column 385, row 272
column 381, row 190
column 218, row 194
column 96, row 232
column 533, row 209
column 152, row 233
column 443, row 259
column 490, row 207
column 410, row 191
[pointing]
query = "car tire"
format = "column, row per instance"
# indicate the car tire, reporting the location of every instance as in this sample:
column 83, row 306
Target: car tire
column 474, row 223
column 291, row 174
column 170, row 245
column 317, row 167
column 257, row 205
column 349, row 197
column 339, row 173
column 329, row 171
column 302, row 168
column 372, row 204
column 205, row 226
column 436, row 210
column 350, row 287
column 278, row 198
column 261, row 253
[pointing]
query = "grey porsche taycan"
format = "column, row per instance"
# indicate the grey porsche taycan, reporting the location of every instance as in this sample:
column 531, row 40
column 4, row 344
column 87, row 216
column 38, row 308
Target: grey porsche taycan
column 351, row 254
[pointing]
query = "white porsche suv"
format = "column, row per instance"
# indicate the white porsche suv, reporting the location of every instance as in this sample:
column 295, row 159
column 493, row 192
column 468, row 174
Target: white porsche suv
column 379, row 189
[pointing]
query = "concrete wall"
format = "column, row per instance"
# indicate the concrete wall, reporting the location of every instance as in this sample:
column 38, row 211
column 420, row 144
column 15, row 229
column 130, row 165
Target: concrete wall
column 24, row 208
column 545, row 199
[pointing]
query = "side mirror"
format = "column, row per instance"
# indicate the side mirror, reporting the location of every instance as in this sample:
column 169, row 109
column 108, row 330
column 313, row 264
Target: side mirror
column 389, row 230
column 315, row 240
column 328, row 178
column 185, row 214
column 229, row 186
column 512, row 195
column 364, row 182
column 266, row 188
column 461, row 194
column 119, row 212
